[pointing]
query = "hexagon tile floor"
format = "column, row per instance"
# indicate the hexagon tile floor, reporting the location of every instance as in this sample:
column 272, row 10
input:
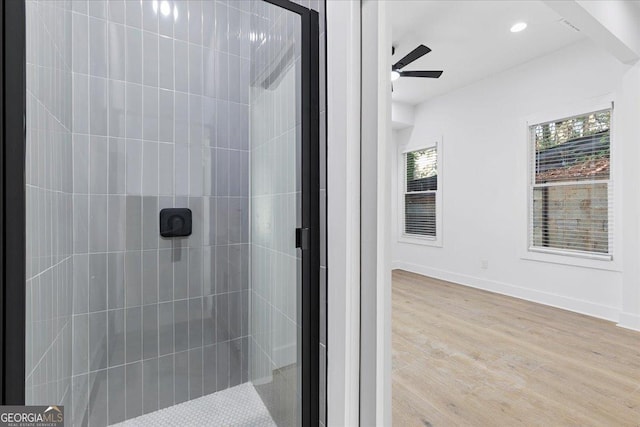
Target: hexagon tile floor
column 239, row 406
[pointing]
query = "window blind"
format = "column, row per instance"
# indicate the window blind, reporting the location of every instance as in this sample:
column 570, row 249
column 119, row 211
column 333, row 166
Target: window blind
column 421, row 187
column 570, row 188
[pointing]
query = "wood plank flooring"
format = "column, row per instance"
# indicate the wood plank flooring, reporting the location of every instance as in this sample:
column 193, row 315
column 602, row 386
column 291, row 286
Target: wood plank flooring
column 466, row 357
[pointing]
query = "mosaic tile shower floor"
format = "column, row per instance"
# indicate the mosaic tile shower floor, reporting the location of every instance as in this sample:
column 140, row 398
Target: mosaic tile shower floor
column 239, row 406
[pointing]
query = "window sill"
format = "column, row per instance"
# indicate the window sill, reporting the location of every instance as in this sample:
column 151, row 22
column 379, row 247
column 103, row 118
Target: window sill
column 576, row 259
column 424, row 241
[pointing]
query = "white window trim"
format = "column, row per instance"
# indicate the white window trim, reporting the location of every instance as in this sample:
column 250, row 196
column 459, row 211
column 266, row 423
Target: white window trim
column 611, row 261
column 402, row 168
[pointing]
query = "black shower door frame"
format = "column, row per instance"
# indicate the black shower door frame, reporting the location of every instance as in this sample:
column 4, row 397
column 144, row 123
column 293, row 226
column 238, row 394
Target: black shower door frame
column 12, row 205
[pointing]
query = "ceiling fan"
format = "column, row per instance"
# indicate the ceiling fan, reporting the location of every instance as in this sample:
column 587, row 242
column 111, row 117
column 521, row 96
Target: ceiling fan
column 412, row 56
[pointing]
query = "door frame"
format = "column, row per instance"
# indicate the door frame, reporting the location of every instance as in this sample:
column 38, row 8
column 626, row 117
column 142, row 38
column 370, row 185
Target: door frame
column 13, row 210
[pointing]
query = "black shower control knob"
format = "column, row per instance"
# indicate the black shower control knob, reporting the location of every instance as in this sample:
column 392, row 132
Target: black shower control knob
column 175, row 222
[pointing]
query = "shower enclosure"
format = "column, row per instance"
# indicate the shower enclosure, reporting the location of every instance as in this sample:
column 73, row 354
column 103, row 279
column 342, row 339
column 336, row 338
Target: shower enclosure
column 164, row 190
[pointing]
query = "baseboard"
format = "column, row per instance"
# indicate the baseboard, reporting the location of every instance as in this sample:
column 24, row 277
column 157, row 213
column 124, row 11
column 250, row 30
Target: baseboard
column 576, row 305
column 629, row 321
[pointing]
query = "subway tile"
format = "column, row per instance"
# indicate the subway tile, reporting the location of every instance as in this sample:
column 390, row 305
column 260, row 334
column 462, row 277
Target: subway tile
column 209, row 369
column 222, row 172
column 98, row 166
column 222, row 124
column 149, row 171
column 195, row 69
column 133, row 111
column 181, row 24
column 80, row 103
column 115, row 280
column 181, row 377
column 98, row 223
column 116, row 12
column 98, row 106
column 181, row 117
column 165, row 62
column 222, row 365
column 195, row 120
column 117, row 166
column 222, row 269
column 81, row 164
column 208, row 72
column 116, row 337
column 133, row 222
column 165, row 114
column 97, row 47
column 235, row 314
column 98, row 352
column 234, row 267
column 208, row 270
column 133, row 338
column 234, row 30
column 150, row 390
column 80, row 360
column 97, row 8
column 150, row 59
column 116, row 217
column 133, row 13
column 150, row 15
column 181, row 66
column 133, row 375
column 181, row 325
column 165, row 328
column 165, row 275
column 234, row 78
column 97, row 282
column 150, row 331
column 150, row 113
column 165, row 381
column 238, row 126
column 222, row 75
column 117, row 50
column 80, row 399
column 134, row 168
column 150, row 277
column 165, row 169
column 195, row 373
column 80, row 51
column 221, row 31
column 133, row 278
column 223, row 329
column 195, row 22
column 195, row 322
column 180, row 271
column 117, row 109
column 80, row 283
column 209, row 320
column 235, row 362
column 116, row 399
column 165, row 24
column 133, row 58
column 245, row 359
column 195, row 272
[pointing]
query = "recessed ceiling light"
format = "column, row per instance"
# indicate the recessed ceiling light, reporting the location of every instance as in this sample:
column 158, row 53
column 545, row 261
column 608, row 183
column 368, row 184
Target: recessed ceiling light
column 517, row 27
column 395, row 76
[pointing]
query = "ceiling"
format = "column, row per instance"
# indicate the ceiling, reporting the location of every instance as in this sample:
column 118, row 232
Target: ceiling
column 470, row 40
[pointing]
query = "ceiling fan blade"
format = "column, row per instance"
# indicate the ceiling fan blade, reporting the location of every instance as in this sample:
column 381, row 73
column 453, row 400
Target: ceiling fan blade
column 429, row 74
column 416, row 53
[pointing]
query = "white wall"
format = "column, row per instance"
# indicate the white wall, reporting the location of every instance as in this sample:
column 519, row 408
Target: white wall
column 484, row 182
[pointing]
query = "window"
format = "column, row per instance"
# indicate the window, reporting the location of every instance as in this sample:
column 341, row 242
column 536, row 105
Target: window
column 570, row 186
column 421, row 198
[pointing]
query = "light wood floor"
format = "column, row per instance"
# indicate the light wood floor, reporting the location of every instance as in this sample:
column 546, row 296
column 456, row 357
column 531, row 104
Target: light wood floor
column 462, row 356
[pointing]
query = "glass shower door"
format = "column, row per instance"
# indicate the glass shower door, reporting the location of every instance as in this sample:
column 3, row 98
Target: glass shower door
column 171, row 210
